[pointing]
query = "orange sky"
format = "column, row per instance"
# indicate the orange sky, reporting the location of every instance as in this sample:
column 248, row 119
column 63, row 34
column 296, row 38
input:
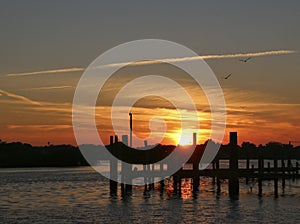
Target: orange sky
column 38, row 114
column 45, row 49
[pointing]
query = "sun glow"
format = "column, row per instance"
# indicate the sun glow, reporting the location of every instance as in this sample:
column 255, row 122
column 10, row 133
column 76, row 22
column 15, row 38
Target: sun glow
column 185, row 141
column 184, row 137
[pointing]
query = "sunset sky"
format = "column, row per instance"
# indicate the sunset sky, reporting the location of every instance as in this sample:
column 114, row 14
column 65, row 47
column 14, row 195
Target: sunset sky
column 46, row 46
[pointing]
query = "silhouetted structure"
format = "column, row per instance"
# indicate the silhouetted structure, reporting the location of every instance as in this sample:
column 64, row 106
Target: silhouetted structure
column 24, row 155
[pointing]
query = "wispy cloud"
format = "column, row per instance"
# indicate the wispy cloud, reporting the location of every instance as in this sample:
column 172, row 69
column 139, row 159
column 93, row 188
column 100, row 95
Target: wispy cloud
column 214, row 56
column 254, row 54
column 45, row 127
column 184, row 59
column 19, row 97
column 62, row 70
column 49, row 88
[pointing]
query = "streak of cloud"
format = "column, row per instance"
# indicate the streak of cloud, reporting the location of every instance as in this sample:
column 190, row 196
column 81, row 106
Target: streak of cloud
column 45, row 127
column 216, row 56
column 254, row 54
column 62, row 70
column 19, row 97
column 168, row 60
column 49, row 88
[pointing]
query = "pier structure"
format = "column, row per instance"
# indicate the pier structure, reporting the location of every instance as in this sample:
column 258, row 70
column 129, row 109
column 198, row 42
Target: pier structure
column 281, row 168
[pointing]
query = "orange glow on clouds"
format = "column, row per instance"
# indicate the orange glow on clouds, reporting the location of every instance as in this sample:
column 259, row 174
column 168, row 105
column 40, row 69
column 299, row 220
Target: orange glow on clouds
column 32, row 116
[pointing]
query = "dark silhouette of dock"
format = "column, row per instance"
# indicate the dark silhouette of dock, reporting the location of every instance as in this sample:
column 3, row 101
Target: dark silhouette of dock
column 274, row 161
column 281, row 167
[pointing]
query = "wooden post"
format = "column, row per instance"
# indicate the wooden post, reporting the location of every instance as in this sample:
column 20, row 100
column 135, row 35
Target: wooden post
column 218, row 186
column 175, row 183
column 126, row 169
column 252, row 167
column 275, row 166
column 145, row 178
column 151, row 172
column 111, row 140
column 113, row 185
column 179, row 186
column 276, row 174
column 259, row 187
column 162, row 185
column 289, row 165
column 214, row 177
column 247, row 167
column 276, row 187
column 260, row 174
column 162, row 182
column 283, row 174
column 195, row 184
column 218, row 178
column 148, row 176
column 233, row 166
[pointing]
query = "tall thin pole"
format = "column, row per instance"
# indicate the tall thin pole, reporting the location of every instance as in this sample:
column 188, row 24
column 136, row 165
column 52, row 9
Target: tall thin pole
column 130, row 123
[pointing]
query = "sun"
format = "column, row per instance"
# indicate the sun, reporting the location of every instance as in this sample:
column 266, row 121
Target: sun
column 185, row 140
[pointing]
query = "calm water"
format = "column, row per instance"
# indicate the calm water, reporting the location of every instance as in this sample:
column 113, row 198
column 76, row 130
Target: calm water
column 80, row 195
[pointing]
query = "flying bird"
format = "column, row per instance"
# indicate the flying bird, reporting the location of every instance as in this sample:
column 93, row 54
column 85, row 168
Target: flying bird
column 245, row 60
column 227, row 76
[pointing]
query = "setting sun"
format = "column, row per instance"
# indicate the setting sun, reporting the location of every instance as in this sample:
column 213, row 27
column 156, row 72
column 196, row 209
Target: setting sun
column 184, row 137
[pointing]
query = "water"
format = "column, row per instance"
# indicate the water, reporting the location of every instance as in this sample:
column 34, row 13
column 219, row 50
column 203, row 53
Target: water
column 80, row 195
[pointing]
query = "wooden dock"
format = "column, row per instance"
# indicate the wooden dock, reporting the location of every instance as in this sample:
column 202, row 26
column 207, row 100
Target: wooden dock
column 281, row 168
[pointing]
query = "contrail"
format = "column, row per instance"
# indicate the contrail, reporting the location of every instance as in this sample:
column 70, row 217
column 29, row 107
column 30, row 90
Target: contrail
column 19, row 97
column 62, row 70
column 215, row 56
column 48, row 88
column 47, row 127
column 255, row 54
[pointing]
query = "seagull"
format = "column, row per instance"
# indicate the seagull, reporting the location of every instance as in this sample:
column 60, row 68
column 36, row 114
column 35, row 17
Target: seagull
column 245, row 60
column 227, row 76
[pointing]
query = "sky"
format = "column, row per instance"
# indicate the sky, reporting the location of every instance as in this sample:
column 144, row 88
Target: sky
column 46, row 45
